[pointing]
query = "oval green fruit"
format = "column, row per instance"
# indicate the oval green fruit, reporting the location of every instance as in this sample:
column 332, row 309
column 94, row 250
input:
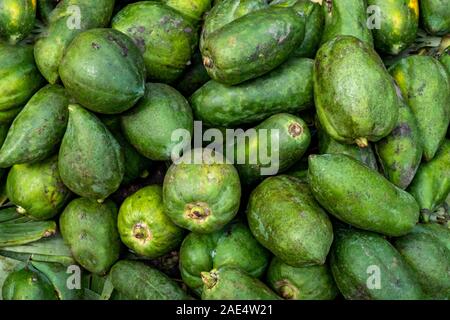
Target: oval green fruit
column 349, row 112
column 284, row 217
column 151, row 124
column 8, row 116
column 17, row 18
column 37, row 188
column 192, row 9
column 91, row 161
column 104, row 71
column 90, row 230
column 435, row 16
column 143, row 225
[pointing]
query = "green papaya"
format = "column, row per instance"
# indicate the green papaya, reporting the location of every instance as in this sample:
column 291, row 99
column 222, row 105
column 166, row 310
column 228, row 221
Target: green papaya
column 430, row 261
column 288, row 88
column 401, row 151
column 398, row 24
column 28, row 284
column 301, row 283
column 231, row 283
column 7, row 116
column 90, row 230
column 91, row 161
column 166, row 110
column 19, row 78
column 165, row 38
column 445, row 56
column 437, row 231
column 276, row 144
column 7, row 265
column 201, row 192
column 17, row 18
column 136, row 281
column 191, row 9
column 281, row 213
column 431, row 184
column 143, row 225
column 233, row 245
column 252, row 45
column 360, row 196
column 346, row 18
column 44, row 9
column 425, row 85
column 104, row 71
column 435, row 16
column 37, row 129
column 366, row 266
column 37, row 189
column 194, row 77
column 68, row 19
column 349, row 112
column 15, row 234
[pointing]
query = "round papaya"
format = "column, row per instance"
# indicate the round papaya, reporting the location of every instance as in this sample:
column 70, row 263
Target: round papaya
column 17, row 18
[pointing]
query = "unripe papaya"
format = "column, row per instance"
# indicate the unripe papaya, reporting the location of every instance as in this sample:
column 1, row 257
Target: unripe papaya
column 21, row 231
column 37, row 189
column 90, row 230
column 435, row 16
column 7, row 116
column 191, row 9
column 193, row 77
column 91, row 161
column 17, row 18
column 425, row 85
column 233, row 245
column 301, row 283
column 360, row 196
column 143, row 225
column 348, row 111
column 38, row 128
column 282, row 213
column 439, row 232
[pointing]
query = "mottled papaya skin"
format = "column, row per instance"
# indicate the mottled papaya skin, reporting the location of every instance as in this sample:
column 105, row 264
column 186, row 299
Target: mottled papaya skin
column 149, row 126
column 399, row 21
column 91, row 161
column 288, row 88
column 282, row 213
column 437, row 231
column 37, row 188
column 104, row 71
column 17, row 18
column 37, row 129
column 346, row 17
column 143, row 225
column 8, row 116
column 430, row 260
column 165, row 38
column 231, row 283
column 90, row 230
column 360, row 196
column 252, row 45
column 358, row 259
column 234, row 245
column 425, row 85
column 192, row 9
column 65, row 23
column 27, row 284
column 19, row 77
column 193, row 77
column 44, row 9
column 435, row 16
column 201, row 193
column 431, row 184
column 136, row 281
column 401, row 151
column 348, row 111
column 292, row 139
column 445, row 59
column 227, row 11
column 303, row 283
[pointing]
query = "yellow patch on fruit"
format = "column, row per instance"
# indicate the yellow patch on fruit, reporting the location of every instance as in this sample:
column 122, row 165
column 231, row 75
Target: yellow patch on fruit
column 14, row 12
column 399, row 78
column 33, row 3
column 414, row 5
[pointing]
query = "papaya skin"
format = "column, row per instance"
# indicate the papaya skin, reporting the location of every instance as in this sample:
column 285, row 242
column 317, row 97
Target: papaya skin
column 91, row 161
column 27, row 284
column 191, row 9
column 425, row 85
column 435, row 16
column 336, row 180
column 37, row 129
column 17, row 19
column 143, row 225
column 437, row 231
column 347, row 111
column 8, row 116
column 194, row 77
column 281, row 213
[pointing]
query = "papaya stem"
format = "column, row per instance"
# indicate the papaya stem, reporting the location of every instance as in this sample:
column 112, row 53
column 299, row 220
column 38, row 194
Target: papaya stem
column 197, row 211
column 362, row 142
column 287, row 290
column 210, row 278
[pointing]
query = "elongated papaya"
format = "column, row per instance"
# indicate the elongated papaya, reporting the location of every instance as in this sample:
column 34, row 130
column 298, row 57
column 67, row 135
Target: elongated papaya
column 401, row 151
column 14, row 234
column 17, row 18
column 425, row 85
column 437, row 231
column 349, row 112
column 91, row 161
column 435, row 16
column 366, row 266
column 281, row 213
column 38, row 128
column 9, row 214
column 191, row 9
column 360, row 196
column 252, row 45
column 288, row 88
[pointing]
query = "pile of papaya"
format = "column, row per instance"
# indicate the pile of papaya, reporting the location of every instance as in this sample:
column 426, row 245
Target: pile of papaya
column 224, row 150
